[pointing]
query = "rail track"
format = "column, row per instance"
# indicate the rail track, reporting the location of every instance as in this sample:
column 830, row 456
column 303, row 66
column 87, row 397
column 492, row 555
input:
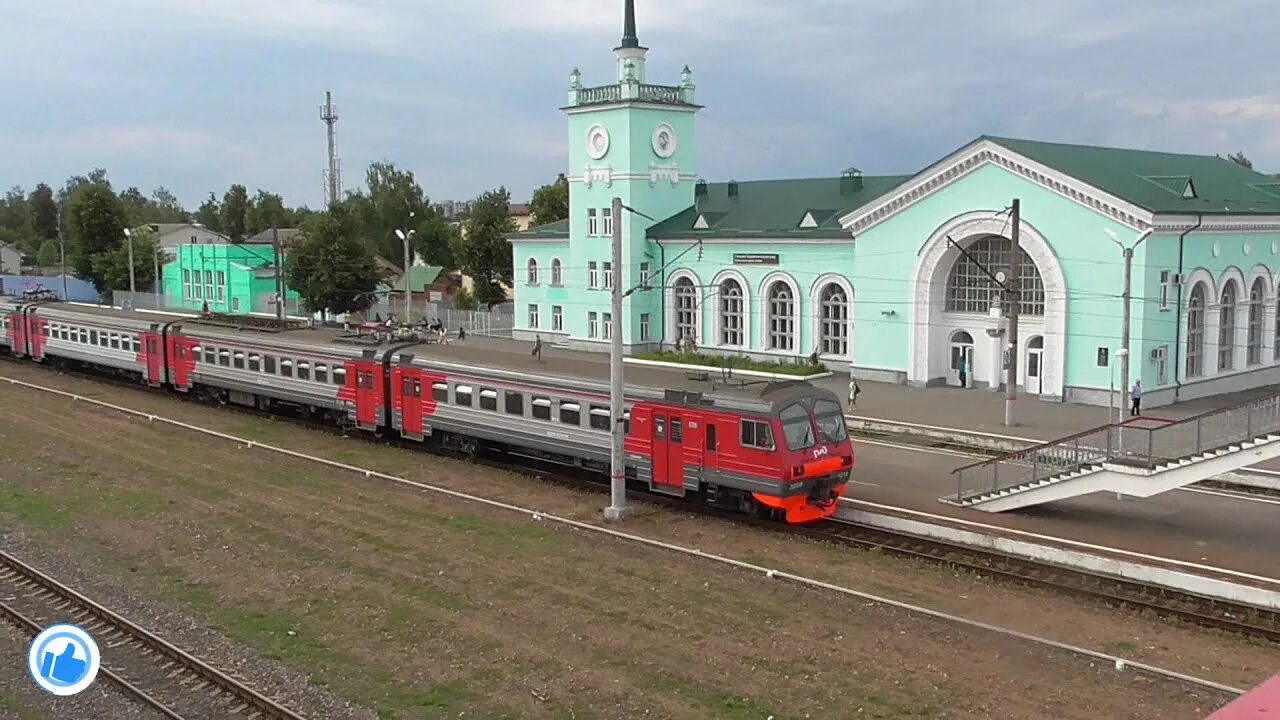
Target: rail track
column 146, row 668
column 1106, row 589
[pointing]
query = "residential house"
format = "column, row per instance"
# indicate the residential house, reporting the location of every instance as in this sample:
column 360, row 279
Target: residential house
column 427, row 284
column 521, row 214
column 286, row 236
column 10, row 258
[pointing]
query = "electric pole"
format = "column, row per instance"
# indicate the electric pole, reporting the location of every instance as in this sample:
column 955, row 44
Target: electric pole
column 1127, row 299
column 62, row 255
column 155, row 271
column 128, row 240
column 1014, row 295
column 333, row 176
column 617, row 475
column 279, row 261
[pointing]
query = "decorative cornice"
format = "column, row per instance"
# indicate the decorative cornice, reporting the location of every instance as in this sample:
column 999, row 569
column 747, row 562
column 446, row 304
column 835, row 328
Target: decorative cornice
column 977, row 155
column 1211, row 224
column 646, row 176
column 579, row 109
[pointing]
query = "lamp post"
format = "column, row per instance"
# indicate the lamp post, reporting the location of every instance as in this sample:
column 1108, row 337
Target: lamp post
column 408, row 263
column 617, row 467
column 1124, row 330
column 128, row 241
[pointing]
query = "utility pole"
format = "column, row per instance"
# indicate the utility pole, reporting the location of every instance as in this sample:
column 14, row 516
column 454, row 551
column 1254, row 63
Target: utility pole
column 1013, row 294
column 155, row 271
column 278, row 261
column 128, row 240
column 62, row 255
column 405, row 237
column 1127, row 299
column 617, row 474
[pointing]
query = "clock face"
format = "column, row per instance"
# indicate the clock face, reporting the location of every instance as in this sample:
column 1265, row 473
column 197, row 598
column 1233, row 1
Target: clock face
column 664, row 140
column 597, row 142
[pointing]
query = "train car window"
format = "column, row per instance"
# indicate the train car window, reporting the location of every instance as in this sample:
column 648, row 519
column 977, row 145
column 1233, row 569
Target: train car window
column 137, row 345
column 417, row 388
column 440, row 392
column 322, row 373
column 304, row 371
column 711, row 436
column 626, row 422
column 103, row 339
column 339, row 375
column 488, row 399
column 598, row 418
column 211, row 355
column 462, row 395
column 757, row 434
column 286, row 367
column 570, row 413
column 237, row 360
column 796, row 427
column 84, row 335
column 659, row 427
column 255, row 362
column 406, row 387
column 269, row 364
column 224, row 357
column 93, row 337
column 515, row 403
column 830, row 421
column 677, row 430
column 541, row 407
column 115, row 341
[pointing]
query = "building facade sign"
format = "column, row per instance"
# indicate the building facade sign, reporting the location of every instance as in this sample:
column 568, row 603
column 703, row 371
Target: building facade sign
column 755, row 258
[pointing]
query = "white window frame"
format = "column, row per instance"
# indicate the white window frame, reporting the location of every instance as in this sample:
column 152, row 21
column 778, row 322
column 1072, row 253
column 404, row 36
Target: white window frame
column 531, row 271
column 593, row 222
column 608, row 274
column 644, row 275
column 606, row 325
column 644, row 327
column 533, row 316
column 607, row 225
column 557, row 272
column 593, row 324
column 557, row 318
column 593, row 275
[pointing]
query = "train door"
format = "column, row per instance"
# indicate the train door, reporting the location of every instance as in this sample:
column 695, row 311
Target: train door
column 411, row 403
column 658, row 449
column 182, row 359
column 668, row 449
column 368, row 395
column 694, row 427
column 153, row 357
column 36, row 338
column 17, row 334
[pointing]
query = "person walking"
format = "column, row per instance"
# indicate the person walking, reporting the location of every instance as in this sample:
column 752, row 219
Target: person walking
column 964, row 371
column 1136, row 396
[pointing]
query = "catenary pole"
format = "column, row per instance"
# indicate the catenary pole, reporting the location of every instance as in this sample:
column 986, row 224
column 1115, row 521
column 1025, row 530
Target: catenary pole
column 155, row 272
column 1127, row 300
column 1014, row 295
column 279, row 260
column 128, row 240
column 617, row 471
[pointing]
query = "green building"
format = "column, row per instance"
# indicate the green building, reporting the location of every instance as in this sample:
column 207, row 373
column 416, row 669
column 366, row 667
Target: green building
column 232, row 278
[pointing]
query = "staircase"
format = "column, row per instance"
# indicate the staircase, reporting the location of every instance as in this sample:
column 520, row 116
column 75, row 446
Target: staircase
column 1140, row 458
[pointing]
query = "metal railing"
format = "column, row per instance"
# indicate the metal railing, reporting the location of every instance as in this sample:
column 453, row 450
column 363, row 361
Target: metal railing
column 614, row 93
column 489, row 323
column 1127, row 443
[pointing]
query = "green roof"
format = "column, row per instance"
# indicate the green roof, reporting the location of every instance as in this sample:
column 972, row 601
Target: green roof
column 420, row 276
column 558, row 230
column 775, row 208
column 1156, row 181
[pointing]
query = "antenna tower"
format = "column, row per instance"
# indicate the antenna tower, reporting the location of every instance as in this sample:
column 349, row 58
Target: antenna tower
column 332, row 176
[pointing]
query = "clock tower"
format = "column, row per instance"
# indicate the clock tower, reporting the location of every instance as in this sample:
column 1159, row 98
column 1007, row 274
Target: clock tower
column 634, row 140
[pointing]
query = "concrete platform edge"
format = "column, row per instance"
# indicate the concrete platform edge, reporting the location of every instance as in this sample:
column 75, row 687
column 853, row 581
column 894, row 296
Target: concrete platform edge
column 1165, row 577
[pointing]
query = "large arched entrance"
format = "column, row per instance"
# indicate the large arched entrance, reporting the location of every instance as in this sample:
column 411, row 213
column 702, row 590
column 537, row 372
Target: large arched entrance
column 953, row 293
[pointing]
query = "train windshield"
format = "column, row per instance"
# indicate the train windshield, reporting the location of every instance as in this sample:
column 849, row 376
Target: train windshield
column 797, row 427
column 830, row 420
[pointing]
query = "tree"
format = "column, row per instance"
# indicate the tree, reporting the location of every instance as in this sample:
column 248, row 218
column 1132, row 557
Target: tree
column 96, row 226
column 464, row 300
column 49, row 254
column 136, row 207
column 44, row 212
column 235, row 211
column 209, row 214
column 167, row 208
column 393, row 196
column 1240, row 159
column 330, row 267
column 266, row 208
column 112, row 266
column 551, row 202
column 436, row 240
column 13, row 212
column 484, row 251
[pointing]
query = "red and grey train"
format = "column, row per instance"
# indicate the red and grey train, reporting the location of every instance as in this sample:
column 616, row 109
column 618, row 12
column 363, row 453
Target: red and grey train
column 778, row 448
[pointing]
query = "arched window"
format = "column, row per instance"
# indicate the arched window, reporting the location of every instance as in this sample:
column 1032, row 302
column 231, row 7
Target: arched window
column 970, row 290
column 782, row 319
column 731, row 301
column 686, row 302
column 533, row 271
column 1256, row 294
column 1227, row 326
column 556, row 271
column 833, row 330
column 1195, row 332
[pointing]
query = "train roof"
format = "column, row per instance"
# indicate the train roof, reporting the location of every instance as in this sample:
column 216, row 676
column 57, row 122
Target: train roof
column 560, row 365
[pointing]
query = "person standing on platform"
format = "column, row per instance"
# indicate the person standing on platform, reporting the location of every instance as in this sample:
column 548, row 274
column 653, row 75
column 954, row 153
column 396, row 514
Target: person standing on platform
column 964, row 371
column 1136, row 396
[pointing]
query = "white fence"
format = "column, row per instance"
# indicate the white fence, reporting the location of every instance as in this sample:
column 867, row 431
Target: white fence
column 495, row 323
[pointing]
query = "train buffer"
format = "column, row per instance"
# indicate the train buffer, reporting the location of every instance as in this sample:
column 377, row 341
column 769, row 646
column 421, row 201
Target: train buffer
column 1140, row 457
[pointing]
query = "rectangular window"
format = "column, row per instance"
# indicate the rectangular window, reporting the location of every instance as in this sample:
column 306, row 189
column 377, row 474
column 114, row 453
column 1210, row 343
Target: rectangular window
column 593, row 223
column 186, row 284
column 208, row 284
column 557, row 318
column 1162, row 365
column 608, row 276
column 757, row 434
column 607, row 215
column 235, row 304
column 644, row 274
column 593, row 324
column 440, row 392
column 198, row 287
column 677, row 430
column 304, row 371
column 237, row 360
column 711, row 437
column 339, row 375
column 286, row 368
column 644, row 326
column 115, row 339
column 255, row 362
column 608, row 326
column 593, row 275
column 210, row 354
column 570, row 413
column 599, row 417
column 322, row 373
column 515, row 403
column 137, row 345
column 488, row 399
column 222, row 285
column 533, row 316
column 541, row 407
column 462, row 395
column 224, row 358
column 1164, row 289
column 626, row 422
column 269, row 364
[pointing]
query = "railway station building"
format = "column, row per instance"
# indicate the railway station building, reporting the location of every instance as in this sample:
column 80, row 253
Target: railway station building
column 867, row 270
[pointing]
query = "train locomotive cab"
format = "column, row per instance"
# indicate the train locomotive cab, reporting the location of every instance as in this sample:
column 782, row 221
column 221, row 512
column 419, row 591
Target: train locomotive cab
column 814, row 456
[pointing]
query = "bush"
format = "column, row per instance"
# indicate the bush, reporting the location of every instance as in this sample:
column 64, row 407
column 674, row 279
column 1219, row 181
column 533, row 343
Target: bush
column 48, row 254
column 464, row 300
column 799, row 367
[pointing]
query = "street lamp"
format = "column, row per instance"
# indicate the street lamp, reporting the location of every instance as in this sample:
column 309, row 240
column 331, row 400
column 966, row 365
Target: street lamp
column 128, row 241
column 408, row 262
column 1123, row 354
column 1128, row 274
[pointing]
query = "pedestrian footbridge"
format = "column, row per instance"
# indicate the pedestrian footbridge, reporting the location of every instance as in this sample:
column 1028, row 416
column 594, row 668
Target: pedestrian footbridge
column 1141, row 457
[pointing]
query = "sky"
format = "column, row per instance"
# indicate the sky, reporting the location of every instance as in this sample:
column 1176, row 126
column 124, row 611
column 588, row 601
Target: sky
column 197, row 94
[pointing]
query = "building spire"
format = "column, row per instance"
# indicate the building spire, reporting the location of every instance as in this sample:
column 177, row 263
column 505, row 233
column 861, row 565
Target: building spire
column 629, row 39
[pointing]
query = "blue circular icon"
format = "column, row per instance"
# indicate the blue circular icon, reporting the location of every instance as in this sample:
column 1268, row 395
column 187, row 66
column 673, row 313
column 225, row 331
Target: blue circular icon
column 63, row 659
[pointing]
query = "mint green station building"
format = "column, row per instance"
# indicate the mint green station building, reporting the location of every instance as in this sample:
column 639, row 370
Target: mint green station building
column 231, row 278
column 866, row 270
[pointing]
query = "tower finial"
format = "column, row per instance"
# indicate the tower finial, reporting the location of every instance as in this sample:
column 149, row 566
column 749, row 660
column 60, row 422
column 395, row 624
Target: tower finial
column 629, row 39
